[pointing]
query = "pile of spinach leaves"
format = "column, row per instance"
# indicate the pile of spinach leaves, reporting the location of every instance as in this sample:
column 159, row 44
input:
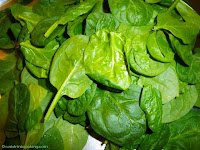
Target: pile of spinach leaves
column 124, row 71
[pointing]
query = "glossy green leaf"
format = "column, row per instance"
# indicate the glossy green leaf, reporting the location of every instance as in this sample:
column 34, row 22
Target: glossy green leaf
column 26, row 77
column 80, row 105
column 37, row 35
column 190, row 74
column 19, row 105
column 40, row 57
column 156, row 141
column 198, row 91
column 143, row 64
column 186, row 31
column 185, row 133
column 167, row 83
column 188, row 13
column 104, row 60
column 8, row 72
column 181, row 105
column 151, row 104
column 159, row 47
column 71, row 14
column 117, row 116
column 131, row 12
column 97, row 21
column 67, row 71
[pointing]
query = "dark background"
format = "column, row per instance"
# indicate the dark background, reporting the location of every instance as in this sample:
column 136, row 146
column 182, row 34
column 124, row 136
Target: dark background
column 195, row 4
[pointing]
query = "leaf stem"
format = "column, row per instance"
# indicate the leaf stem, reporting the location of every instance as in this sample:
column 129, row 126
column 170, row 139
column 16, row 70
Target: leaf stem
column 53, row 104
column 172, row 6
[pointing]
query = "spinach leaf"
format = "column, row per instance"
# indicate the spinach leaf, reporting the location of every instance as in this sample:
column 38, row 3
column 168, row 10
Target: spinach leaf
column 49, row 8
column 40, row 57
column 71, row 14
column 190, row 74
column 19, row 105
column 37, row 71
column 97, row 21
column 188, row 13
column 6, row 42
column 76, row 27
column 181, row 105
column 67, row 81
column 26, row 77
column 167, row 83
column 37, row 35
column 152, row 1
column 185, row 133
column 8, row 72
column 104, row 60
column 16, row 29
column 80, row 105
column 143, row 64
column 198, row 91
column 159, row 47
column 156, row 141
column 151, row 104
column 186, row 31
column 74, row 119
column 131, row 12
column 117, row 116
column 184, row 51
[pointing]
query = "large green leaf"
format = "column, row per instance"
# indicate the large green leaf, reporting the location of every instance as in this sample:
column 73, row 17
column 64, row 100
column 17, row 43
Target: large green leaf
column 131, row 12
column 190, row 74
column 151, row 104
column 185, row 133
column 198, row 91
column 117, row 116
column 71, row 14
column 181, row 105
column 159, row 47
column 104, row 60
column 186, row 31
column 40, row 57
column 167, row 83
column 97, row 21
column 143, row 64
column 67, row 72
column 8, row 72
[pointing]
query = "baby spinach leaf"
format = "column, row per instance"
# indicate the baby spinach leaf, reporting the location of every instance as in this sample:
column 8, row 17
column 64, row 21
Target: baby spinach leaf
column 37, row 71
column 151, row 104
column 156, row 141
column 117, row 116
column 198, row 91
column 16, row 29
column 167, row 82
column 190, row 74
column 185, row 132
column 8, row 72
column 74, row 119
column 19, row 105
column 188, row 13
column 38, row 94
column 131, row 12
column 37, row 36
column 75, row 137
column 159, row 48
column 80, row 105
column 34, row 135
column 104, row 60
column 62, row 103
column 67, row 81
column 6, row 42
column 40, row 57
column 143, row 64
column 97, row 21
column 52, row 139
column 76, row 27
column 181, row 105
column 26, row 77
column 186, row 31
column 152, row 1
column 49, row 8
column 71, row 14
column 184, row 51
